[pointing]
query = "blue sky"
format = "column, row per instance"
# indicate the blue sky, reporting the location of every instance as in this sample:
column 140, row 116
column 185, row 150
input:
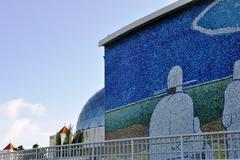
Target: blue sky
column 50, row 62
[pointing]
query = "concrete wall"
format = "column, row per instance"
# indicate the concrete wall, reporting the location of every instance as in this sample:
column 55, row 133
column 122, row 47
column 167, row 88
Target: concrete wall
column 94, row 135
column 52, row 140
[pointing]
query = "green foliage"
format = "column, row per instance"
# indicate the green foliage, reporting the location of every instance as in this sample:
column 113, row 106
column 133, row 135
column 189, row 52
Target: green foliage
column 78, row 137
column 219, row 151
column 58, row 139
column 20, row 148
column 35, row 146
column 68, row 139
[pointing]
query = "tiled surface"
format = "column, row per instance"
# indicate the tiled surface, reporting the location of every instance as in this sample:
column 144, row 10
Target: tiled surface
column 137, row 65
column 208, row 103
column 92, row 114
column 133, row 131
column 231, row 112
column 209, row 21
column 174, row 113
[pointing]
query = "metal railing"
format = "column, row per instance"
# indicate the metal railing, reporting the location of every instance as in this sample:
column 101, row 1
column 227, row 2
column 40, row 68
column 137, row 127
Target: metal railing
column 217, row 145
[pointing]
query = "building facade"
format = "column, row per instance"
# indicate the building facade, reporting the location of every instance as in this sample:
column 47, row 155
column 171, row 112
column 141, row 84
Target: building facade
column 202, row 37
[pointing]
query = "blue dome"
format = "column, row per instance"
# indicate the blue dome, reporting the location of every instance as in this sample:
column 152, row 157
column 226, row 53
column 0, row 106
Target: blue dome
column 92, row 114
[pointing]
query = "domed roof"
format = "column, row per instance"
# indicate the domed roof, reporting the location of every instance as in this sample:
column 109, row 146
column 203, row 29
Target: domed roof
column 92, row 114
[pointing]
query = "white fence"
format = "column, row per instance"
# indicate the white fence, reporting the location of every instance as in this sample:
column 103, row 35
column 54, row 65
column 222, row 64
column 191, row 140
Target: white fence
column 219, row 145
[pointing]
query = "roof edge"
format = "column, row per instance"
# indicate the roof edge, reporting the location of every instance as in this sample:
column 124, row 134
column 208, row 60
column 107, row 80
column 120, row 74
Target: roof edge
column 142, row 21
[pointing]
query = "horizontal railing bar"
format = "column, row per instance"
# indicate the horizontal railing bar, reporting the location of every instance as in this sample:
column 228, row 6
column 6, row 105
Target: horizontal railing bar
column 138, row 146
column 173, row 136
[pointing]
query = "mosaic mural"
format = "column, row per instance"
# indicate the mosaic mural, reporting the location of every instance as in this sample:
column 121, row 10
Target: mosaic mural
column 182, row 110
column 231, row 112
column 210, row 111
column 175, row 110
column 177, row 75
column 203, row 38
column 228, row 22
column 137, row 116
column 174, row 115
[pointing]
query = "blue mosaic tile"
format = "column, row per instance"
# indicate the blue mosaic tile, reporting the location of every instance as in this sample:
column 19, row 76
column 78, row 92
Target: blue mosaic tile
column 137, row 65
column 92, row 114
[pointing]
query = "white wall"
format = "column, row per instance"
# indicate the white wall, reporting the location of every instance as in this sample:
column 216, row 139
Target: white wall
column 94, row 135
column 52, row 140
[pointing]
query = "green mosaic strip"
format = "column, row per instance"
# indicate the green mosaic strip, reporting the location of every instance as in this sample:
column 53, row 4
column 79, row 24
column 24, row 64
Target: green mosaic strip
column 208, row 102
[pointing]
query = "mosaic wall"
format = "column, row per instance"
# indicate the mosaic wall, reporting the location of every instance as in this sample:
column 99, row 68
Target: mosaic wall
column 134, row 120
column 178, row 75
column 203, row 39
column 212, row 106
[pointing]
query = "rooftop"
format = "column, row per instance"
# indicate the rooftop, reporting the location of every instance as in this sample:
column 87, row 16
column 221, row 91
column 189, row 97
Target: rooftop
column 64, row 130
column 144, row 21
column 9, row 147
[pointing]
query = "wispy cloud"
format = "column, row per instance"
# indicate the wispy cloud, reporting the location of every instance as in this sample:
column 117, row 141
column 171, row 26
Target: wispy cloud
column 15, row 108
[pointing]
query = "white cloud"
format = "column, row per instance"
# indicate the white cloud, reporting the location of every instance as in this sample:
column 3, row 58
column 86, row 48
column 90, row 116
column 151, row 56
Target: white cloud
column 14, row 108
column 37, row 109
column 19, row 123
column 24, row 132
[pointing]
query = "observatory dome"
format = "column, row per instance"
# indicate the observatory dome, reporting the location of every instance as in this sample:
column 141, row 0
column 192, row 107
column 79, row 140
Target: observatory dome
column 92, row 114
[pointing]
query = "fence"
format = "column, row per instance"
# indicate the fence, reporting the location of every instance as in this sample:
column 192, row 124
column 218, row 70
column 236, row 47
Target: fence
column 219, row 145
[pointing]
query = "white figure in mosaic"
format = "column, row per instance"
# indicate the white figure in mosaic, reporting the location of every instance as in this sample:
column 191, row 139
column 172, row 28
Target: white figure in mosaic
column 231, row 112
column 174, row 115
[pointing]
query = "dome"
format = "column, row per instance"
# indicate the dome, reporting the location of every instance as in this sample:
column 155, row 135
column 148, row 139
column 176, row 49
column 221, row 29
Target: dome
column 92, row 114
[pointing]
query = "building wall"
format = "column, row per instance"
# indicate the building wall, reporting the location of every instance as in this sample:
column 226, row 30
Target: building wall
column 208, row 100
column 204, row 40
column 137, row 65
column 52, row 140
column 94, row 135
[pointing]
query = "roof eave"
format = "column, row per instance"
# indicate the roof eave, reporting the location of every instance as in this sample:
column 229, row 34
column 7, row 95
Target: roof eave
column 143, row 21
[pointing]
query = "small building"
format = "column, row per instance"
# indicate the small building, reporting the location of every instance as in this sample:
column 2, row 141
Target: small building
column 52, row 140
column 63, row 133
column 9, row 148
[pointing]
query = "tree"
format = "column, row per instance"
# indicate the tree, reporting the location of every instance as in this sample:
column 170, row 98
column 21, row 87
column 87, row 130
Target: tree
column 78, row 137
column 69, row 135
column 58, row 139
column 20, row 148
column 35, row 146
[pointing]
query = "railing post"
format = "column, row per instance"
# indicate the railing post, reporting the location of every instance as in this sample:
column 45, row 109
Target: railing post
column 36, row 154
column 182, row 152
column 132, row 149
column 93, row 151
column 61, row 153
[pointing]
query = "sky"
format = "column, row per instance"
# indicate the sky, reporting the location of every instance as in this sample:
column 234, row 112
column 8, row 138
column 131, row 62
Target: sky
column 50, row 62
